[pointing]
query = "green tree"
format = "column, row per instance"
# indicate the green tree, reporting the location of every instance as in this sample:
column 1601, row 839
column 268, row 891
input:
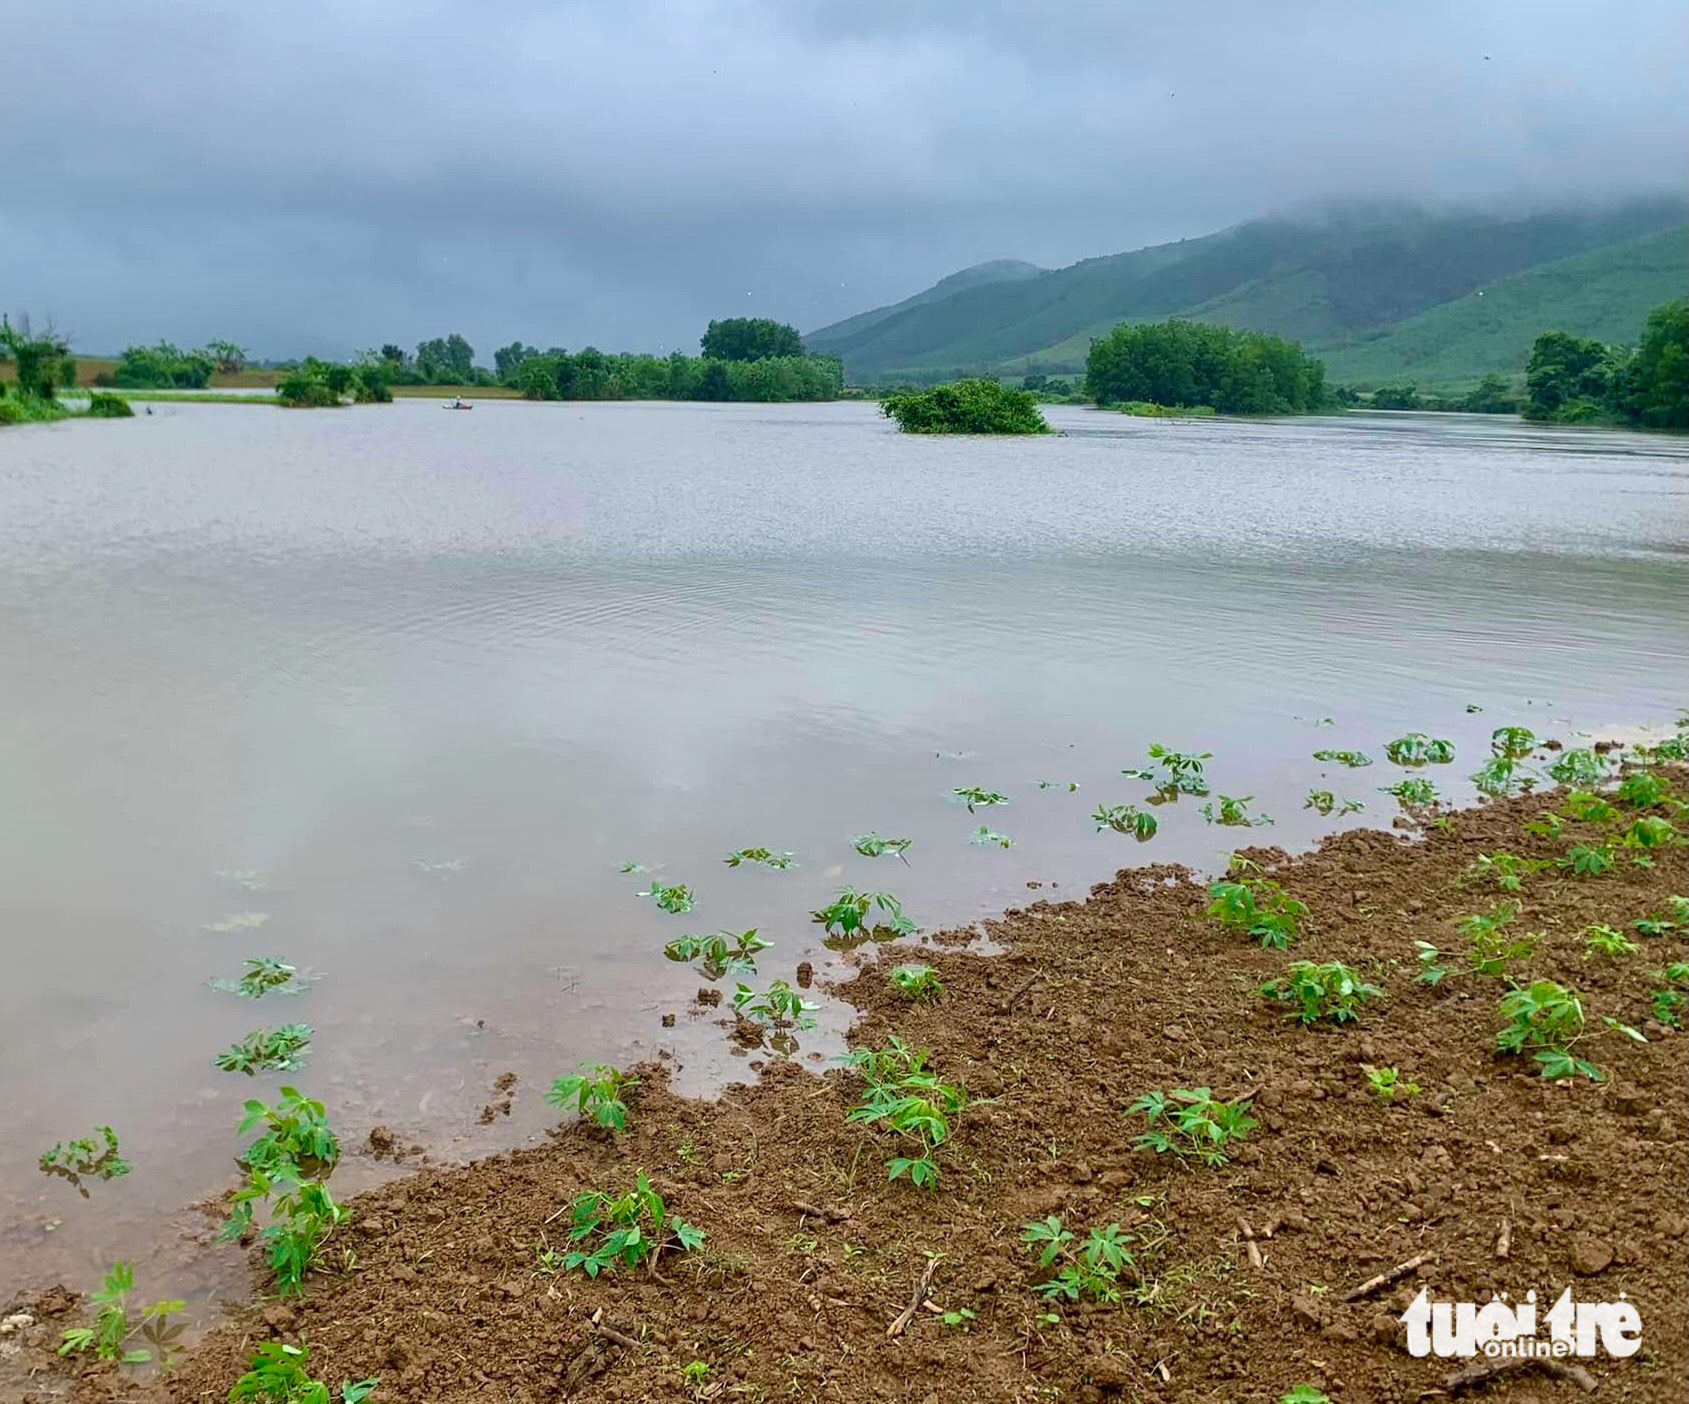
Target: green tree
column 507, row 359
column 1491, row 397
column 1190, row 364
column 164, row 366
column 750, row 339
column 43, row 359
column 1397, row 397
column 1655, row 385
column 1565, row 373
column 230, row 358
column 446, row 360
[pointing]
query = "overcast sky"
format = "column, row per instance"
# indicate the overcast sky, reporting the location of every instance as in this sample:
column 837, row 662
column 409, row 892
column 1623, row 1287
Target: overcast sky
column 330, row 174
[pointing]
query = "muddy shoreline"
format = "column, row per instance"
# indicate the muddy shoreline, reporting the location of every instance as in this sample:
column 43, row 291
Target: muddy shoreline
column 1240, row 1273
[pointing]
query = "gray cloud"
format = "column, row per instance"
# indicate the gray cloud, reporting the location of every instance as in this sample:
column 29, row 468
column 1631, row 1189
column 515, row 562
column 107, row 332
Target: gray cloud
column 324, row 176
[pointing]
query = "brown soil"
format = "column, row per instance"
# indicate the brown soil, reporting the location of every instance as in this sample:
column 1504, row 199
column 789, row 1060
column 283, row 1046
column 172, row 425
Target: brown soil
column 811, row 1254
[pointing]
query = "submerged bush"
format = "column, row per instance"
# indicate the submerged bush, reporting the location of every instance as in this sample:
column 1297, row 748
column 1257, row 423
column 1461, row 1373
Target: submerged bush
column 109, row 407
column 967, row 407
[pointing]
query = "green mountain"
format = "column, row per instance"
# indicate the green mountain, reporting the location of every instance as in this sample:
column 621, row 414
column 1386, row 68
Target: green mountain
column 1002, row 270
column 1343, row 278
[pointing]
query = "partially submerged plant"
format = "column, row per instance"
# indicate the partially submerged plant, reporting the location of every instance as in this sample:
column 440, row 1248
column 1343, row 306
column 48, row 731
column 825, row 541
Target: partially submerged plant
column 596, row 1095
column 1069, row 785
column 972, row 795
column 108, row 1338
column 1416, row 748
column 631, row 865
column 1388, row 1083
column 296, row 1133
column 1353, row 759
column 624, row 1231
column 1513, row 742
column 277, row 1374
column 1416, row 793
column 280, row 1049
column 1233, row 810
column 904, row 1098
column 1604, row 941
column 871, row 845
column 779, row 1006
column 286, row 1167
column 848, row 912
column 724, row 953
column 1181, row 772
column 917, row 982
column 86, row 1159
column 1125, row 819
column 1192, row 1124
column 1325, row 802
column 1257, row 905
column 264, row 975
column 1580, row 766
column 765, row 857
column 1545, row 1019
column 1089, row 1273
column 982, row 837
column 1502, row 775
column 671, row 897
column 1321, row 991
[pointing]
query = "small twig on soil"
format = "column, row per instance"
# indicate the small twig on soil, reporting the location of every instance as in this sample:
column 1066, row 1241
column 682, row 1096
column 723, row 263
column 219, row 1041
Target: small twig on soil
column 813, row 1211
column 1014, row 998
column 1486, row 1370
column 596, row 1321
column 1249, row 1243
column 916, row 1297
column 1384, row 1279
column 1504, row 1240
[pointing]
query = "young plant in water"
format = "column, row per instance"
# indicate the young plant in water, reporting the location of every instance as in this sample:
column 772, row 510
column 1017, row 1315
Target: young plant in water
column 1233, row 810
column 917, row 982
column 1071, row 786
column 595, row 1094
column 1257, row 905
column 1126, row 819
column 296, row 1133
column 1580, row 766
column 1513, row 742
column 972, row 795
column 278, row 1374
column 264, row 975
column 1321, row 991
column 1192, row 1124
column 1325, row 802
column 86, row 1159
column 848, row 912
column 1416, row 748
column 871, row 845
column 1090, row 1273
column 982, row 837
column 108, row 1338
column 1502, row 775
column 633, row 866
column 1353, row 759
column 1181, row 771
column 1417, row 793
column 725, row 953
column 765, row 857
column 907, row 1100
column 280, row 1049
column 1546, row 1020
column 779, row 1006
column 1388, row 1083
column 624, row 1231
column 673, row 898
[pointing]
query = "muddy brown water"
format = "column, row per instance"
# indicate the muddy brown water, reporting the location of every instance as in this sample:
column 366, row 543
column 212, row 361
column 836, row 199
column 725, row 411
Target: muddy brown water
column 434, row 678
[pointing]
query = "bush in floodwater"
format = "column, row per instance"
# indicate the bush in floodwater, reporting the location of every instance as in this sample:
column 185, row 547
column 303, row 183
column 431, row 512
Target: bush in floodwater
column 848, row 912
column 595, row 1094
column 1126, row 819
column 108, row 1338
column 967, row 407
column 105, row 406
column 86, row 1159
column 1416, row 748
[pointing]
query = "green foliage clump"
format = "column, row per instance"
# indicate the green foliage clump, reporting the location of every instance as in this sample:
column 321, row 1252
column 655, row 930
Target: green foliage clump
column 1324, row 802
column 848, row 912
column 1192, row 1124
column 164, row 367
column 1579, row 766
column 595, row 1094
column 278, row 1374
column 1126, row 819
column 1642, row 789
column 279, row 1049
column 674, row 898
column 750, row 339
column 264, row 975
column 1321, row 991
column 1507, row 871
column 1191, row 363
column 1257, row 905
column 1175, row 772
column 724, row 953
column 1546, row 1017
column 871, row 845
column 1419, row 792
column 902, row 1096
column 1353, row 759
column 778, row 1007
column 108, row 1338
column 1668, row 1005
column 1416, row 748
column 966, row 407
column 777, row 859
column 591, row 374
column 613, row 1231
column 1603, row 940
column 105, row 406
column 1233, row 811
column 86, row 1158
column 985, row 837
column 43, row 361
column 917, row 982
column 1576, row 380
column 1388, row 1084
column 1089, row 1273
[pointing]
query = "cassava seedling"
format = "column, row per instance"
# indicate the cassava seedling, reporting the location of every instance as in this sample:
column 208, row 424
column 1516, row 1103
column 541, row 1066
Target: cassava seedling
column 913, row 1104
column 871, row 845
column 1513, row 742
column 1181, row 772
column 1353, row 759
column 779, row 1006
column 1605, row 941
column 724, row 953
column 296, row 1133
column 1192, row 1124
column 631, row 865
column 1545, row 1019
column 1642, row 789
column 1090, row 1272
column 1507, row 871
column 441, row 867
column 1669, row 1004
column 1233, row 811
column 108, row 1338
column 1416, row 793
column 1588, row 807
column 848, row 912
column 917, row 982
column 1502, row 775
column 264, row 975
column 280, row 1049
column 86, row 1159
column 1579, row 766
column 778, row 859
column 1259, row 906
column 1307, row 1393
column 1490, row 949
column 673, row 898
column 1587, row 859
column 612, row 1231
column 278, row 1374
column 1330, row 991
column 973, row 795
column 1126, row 819
column 1416, row 749
column 1388, row 1084
column 1651, row 831
column 596, row 1095
column 303, row 1215
column 983, row 837
column 1325, row 802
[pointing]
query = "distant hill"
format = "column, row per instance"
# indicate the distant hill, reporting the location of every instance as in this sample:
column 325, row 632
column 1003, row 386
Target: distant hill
column 1002, row 270
column 1343, row 278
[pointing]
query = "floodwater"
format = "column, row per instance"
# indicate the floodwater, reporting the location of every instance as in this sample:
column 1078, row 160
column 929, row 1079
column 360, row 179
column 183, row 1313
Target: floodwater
column 433, row 679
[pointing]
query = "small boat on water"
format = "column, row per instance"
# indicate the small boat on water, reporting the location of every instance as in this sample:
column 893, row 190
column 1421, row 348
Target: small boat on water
column 458, row 404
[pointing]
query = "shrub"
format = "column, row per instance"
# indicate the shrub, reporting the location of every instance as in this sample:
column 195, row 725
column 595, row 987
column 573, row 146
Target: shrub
column 1192, row 1124
column 967, row 407
column 109, row 407
column 1330, row 991
column 1259, row 906
column 624, row 1231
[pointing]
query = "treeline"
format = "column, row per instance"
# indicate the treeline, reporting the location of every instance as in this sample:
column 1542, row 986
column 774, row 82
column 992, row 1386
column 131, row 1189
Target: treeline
column 597, row 375
column 43, row 367
column 1191, row 365
column 1491, row 395
column 1572, row 380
